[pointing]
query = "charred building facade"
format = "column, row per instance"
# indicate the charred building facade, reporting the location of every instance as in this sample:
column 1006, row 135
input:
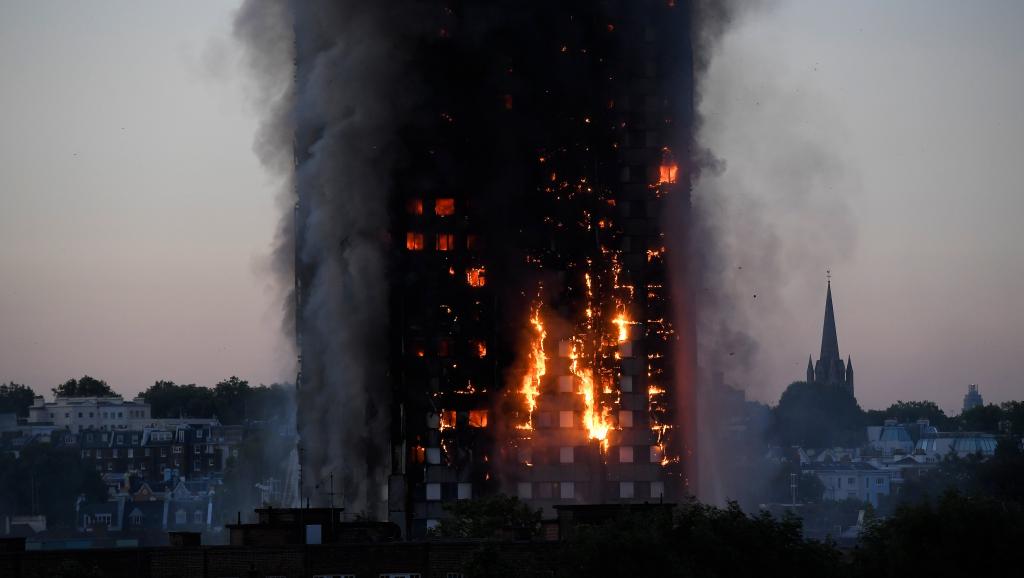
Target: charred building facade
column 538, row 192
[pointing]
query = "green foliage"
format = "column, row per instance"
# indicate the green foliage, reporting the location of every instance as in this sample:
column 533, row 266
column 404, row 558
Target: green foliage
column 233, row 401
column 168, row 399
column 911, row 411
column 957, row 536
column 815, row 415
column 84, row 386
column 984, row 418
column 700, row 540
column 49, row 478
column 1000, row 477
column 15, row 398
column 487, row 518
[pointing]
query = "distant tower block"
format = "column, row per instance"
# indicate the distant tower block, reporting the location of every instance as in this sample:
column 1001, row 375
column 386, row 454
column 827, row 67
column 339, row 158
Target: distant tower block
column 973, row 398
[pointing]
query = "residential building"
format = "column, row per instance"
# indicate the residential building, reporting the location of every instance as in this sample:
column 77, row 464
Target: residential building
column 852, row 480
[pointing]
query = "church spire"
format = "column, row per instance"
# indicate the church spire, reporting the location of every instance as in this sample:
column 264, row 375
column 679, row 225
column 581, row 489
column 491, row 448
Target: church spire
column 829, row 339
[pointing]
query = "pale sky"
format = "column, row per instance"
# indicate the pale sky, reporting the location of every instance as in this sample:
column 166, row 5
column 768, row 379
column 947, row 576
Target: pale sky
column 135, row 220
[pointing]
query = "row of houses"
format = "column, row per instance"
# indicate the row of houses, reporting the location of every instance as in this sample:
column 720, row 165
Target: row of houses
column 893, row 454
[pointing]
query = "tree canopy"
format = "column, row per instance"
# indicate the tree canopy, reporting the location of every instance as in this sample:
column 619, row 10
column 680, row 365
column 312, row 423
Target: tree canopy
column 15, row 398
column 85, row 386
column 232, row 401
column 818, row 415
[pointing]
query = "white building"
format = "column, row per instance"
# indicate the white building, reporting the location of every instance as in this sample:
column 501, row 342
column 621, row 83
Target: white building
column 79, row 413
column 852, row 480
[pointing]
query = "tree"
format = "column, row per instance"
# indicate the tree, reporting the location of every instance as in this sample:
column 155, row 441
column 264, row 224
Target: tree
column 229, row 399
column 983, row 418
column 955, row 536
column 816, row 415
column 170, row 400
column 47, row 480
column 486, row 518
column 911, row 411
column 16, row 398
column 85, row 386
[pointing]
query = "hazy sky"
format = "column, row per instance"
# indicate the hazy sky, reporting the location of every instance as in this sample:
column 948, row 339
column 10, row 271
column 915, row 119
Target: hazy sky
column 135, row 220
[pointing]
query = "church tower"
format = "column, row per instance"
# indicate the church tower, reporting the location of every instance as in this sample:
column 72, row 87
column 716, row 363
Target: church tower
column 830, row 369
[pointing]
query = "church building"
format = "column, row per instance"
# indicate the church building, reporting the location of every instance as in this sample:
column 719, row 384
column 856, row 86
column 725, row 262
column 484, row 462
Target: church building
column 830, row 369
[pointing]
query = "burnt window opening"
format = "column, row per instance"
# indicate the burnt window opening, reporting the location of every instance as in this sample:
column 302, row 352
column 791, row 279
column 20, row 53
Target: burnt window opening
column 414, row 206
column 472, row 242
column 475, row 276
column 445, row 242
column 444, row 207
column 478, row 418
column 444, row 347
column 414, row 241
column 479, row 347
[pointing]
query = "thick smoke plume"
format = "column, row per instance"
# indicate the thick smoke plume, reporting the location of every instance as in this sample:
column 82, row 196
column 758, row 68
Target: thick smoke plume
column 336, row 87
column 769, row 211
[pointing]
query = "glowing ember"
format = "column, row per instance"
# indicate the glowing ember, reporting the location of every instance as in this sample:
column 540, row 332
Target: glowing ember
column 536, row 367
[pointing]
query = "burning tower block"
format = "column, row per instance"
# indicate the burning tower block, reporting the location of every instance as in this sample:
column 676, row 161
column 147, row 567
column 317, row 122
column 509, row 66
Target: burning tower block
column 540, row 344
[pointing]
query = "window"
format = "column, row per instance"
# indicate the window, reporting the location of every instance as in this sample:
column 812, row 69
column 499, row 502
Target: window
column 478, row 418
column 136, row 518
column 414, row 206
column 444, row 207
column 626, row 383
column 565, row 384
column 567, row 490
column 334, row 576
column 657, row 454
column 657, row 489
column 146, row 452
column 566, row 455
column 178, row 449
column 524, row 490
column 465, row 491
column 113, row 453
column 444, row 242
column 472, row 242
column 210, row 462
column 199, row 434
column 625, row 418
column 879, row 481
column 197, row 449
column 625, row 454
column 181, row 517
column 197, row 517
column 626, row 349
column 565, row 419
column 120, row 439
column 626, row 490
column 475, row 276
column 79, row 414
column 103, row 519
column 163, row 452
column 433, row 455
column 414, row 241
column 851, row 481
column 433, row 492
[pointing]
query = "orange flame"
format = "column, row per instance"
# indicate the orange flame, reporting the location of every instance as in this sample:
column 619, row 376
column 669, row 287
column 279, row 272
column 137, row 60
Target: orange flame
column 536, row 367
column 596, row 419
column 622, row 322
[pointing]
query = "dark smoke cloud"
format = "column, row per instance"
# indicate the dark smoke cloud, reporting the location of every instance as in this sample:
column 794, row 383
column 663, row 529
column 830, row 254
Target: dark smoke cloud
column 768, row 213
column 336, row 86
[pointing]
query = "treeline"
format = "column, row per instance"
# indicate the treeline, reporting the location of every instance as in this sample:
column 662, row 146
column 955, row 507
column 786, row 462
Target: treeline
column 232, row 401
column 813, row 415
column 952, row 535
